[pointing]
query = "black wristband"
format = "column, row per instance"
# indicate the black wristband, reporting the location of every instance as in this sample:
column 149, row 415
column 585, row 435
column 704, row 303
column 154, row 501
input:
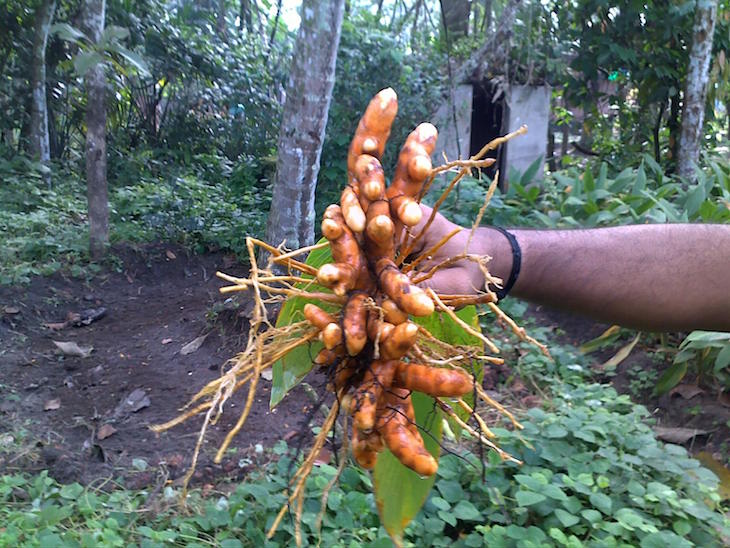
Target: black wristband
column 516, row 263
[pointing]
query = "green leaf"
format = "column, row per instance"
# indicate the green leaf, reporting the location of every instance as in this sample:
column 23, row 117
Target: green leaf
column 293, row 367
column 640, row 181
column 85, row 60
column 399, row 491
column 528, row 498
column 628, row 518
column 133, row 59
column 604, row 339
column 567, row 519
column 66, row 32
column 445, row 329
column 530, row 172
column 602, row 502
column 723, row 359
column 114, row 33
column 466, row 511
column 623, row 353
column 670, row 378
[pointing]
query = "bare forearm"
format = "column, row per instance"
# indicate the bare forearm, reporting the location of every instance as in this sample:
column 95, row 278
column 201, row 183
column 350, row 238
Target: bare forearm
column 653, row 277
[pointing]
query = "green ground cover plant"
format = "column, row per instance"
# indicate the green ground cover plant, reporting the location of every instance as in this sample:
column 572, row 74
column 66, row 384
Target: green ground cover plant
column 593, row 475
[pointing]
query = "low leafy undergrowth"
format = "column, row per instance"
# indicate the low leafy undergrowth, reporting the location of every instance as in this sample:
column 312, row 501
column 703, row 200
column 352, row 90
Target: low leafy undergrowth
column 44, row 229
column 593, row 475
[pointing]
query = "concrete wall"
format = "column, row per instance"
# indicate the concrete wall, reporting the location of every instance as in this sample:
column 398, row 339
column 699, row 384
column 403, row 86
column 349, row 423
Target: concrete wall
column 531, row 106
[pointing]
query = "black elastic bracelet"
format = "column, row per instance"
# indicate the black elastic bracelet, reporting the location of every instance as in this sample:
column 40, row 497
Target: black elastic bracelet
column 516, row 263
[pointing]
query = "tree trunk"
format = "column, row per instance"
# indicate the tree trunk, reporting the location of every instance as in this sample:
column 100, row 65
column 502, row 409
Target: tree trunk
column 303, row 124
column 96, row 183
column 39, row 142
column 695, row 91
column 245, row 17
column 220, row 20
column 673, row 125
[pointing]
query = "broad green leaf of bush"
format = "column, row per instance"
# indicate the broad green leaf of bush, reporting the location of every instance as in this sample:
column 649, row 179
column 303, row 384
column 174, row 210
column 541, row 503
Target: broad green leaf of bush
column 292, row 368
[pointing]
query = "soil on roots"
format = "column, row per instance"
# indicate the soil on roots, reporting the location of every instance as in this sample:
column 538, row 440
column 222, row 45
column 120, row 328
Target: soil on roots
column 85, row 418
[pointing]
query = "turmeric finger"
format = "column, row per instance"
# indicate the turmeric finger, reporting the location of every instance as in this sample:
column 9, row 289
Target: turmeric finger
column 340, row 277
column 365, row 399
column 351, row 210
column 405, row 446
column 434, row 381
column 327, row 357
column 363, row 454
column 373, row 129
column 378, row 329
column 331, row 336
column 396, row 285
column 406, row 209
column 392, row 313
column 354, row 323
column 370, row 176
column 414, row 162
column 316, row 316
column 400, row 341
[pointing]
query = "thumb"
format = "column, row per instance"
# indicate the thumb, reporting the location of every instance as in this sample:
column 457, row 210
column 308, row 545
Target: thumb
column 454, row 280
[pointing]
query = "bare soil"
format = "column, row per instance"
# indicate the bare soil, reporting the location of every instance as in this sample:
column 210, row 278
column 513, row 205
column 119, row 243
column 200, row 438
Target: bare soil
column 55, row 408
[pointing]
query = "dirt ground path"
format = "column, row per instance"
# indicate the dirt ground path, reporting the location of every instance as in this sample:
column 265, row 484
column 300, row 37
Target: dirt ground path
column 135, row 376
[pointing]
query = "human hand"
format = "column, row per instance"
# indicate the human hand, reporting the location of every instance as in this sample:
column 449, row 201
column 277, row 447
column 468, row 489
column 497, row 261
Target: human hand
column 469, row 261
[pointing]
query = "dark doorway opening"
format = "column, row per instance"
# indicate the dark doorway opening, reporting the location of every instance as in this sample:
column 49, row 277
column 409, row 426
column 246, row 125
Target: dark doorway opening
column 486, row 123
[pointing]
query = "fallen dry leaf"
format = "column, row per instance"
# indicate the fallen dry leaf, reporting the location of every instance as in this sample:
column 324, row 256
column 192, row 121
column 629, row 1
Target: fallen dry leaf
column 621, row 355
column 724, row 399
column 323, row 457
column 105, row 431
column 70, row 348
column 136, row 400
column 267, row 374
column 193, row 345
column 687, row 391
column 11, row 310
column 677, row 435
column 170, row 255
column 51, row 405
column 166, row 341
